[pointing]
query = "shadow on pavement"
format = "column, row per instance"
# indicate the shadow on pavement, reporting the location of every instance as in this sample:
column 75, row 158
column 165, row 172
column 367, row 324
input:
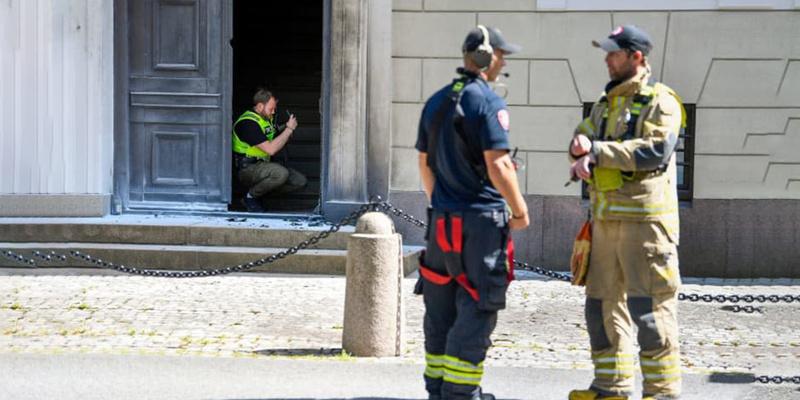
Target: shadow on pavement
column 320, row 352
column 733, row 378
column 336, row 398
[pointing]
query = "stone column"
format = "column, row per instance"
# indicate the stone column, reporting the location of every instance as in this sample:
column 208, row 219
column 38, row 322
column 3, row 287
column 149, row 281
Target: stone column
column 356, row 110
column 379, row 98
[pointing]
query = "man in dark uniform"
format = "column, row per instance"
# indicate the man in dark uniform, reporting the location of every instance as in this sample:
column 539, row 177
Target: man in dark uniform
column 254, row 142
column 471, row 182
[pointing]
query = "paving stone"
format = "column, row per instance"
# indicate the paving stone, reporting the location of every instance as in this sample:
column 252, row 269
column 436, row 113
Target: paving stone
column 300, row 316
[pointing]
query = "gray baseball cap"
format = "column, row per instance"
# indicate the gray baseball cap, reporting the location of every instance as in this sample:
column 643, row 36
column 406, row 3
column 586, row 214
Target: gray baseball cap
column 475, row 38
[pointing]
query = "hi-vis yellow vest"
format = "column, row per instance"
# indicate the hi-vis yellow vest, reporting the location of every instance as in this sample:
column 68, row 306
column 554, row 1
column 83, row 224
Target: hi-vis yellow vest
column 267, row 128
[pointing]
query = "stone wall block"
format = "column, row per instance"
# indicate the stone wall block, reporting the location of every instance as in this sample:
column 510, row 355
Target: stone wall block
column 480, row 5
column 543, row 128
column 407, row 79
column 405, row 170
column 552, row 83
column 429, row 34
column 406, row 5
column 405, row 123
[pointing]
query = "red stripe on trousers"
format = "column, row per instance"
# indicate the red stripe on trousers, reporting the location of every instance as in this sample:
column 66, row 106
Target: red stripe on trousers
column 441, row 236
column 456, row 231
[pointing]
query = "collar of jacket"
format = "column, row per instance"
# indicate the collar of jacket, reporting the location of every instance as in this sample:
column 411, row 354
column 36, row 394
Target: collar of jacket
column 631, row 86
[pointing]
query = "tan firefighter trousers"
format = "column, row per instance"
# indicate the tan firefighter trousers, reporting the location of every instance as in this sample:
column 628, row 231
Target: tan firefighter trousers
column 633, row 280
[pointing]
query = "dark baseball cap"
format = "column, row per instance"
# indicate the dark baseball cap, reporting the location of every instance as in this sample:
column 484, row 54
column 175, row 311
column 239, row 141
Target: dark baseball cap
column 628, row 37
column 475, row 38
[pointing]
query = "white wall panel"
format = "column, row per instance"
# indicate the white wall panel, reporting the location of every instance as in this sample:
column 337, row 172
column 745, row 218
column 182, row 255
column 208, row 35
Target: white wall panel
column 482, row 5
column 429, row 34
column 741, row 69
column 542, row 36
column 406, row 5
column 56, row 96
column 664, row 5
column 731, row 38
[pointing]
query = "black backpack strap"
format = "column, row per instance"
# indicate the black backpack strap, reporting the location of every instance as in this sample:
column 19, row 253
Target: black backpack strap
column 453, row 98
column 475, row 159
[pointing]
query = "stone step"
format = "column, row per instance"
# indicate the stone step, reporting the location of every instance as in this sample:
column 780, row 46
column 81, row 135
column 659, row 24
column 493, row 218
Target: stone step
column 236, row 231
column 187, row 257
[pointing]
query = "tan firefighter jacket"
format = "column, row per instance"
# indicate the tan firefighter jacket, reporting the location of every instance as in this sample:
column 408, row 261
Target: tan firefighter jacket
column 634, row 130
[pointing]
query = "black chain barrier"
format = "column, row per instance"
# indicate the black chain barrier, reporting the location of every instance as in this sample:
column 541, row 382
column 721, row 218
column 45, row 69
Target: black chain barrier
column 390, row 209
column 347, row 220
column 376, row 204
column 734, row 298
column 777, row 379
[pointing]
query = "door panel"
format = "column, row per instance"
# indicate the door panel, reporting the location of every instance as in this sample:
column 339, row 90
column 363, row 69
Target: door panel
column 179, row 129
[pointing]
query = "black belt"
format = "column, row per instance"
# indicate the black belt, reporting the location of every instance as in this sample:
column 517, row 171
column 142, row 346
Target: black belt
column 242, row 161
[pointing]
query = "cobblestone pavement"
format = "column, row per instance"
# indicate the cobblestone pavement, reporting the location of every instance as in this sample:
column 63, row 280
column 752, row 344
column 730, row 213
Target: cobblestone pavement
column 253, row 315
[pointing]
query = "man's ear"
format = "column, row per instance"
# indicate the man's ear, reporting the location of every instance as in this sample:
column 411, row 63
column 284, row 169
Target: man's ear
column 638, row 56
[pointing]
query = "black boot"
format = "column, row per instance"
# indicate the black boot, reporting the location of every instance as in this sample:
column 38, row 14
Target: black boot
column 479, row 395
column 253, row 205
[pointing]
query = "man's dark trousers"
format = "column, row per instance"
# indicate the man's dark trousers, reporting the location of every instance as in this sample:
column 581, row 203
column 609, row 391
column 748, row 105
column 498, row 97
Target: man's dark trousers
column 457, row 326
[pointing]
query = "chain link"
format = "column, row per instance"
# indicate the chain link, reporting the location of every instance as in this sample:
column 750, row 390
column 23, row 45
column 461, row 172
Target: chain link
column 735, row 298
column 543, row 271
column 390, row 209
column 777, row 379
column 18, row 258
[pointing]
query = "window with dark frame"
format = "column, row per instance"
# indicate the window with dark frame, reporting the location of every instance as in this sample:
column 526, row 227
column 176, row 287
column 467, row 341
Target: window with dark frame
column 684, row 154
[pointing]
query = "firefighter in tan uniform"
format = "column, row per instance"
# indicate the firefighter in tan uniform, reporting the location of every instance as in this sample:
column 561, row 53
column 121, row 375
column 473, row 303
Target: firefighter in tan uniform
column 624, row 150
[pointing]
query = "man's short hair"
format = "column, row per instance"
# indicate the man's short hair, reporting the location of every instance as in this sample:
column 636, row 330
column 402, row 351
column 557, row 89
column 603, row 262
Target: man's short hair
column 262, row 95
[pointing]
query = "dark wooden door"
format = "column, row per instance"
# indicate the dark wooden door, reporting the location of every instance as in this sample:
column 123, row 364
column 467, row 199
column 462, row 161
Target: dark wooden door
column 179, row 85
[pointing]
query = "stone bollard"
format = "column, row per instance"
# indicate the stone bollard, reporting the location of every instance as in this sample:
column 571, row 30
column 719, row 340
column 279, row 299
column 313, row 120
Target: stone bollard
column 373, row 311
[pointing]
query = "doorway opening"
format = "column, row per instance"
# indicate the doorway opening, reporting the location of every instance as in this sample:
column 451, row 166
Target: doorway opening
column 278, row 45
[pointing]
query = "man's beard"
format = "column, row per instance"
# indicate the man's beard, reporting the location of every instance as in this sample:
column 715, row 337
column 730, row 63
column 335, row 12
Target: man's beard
column 624, row 75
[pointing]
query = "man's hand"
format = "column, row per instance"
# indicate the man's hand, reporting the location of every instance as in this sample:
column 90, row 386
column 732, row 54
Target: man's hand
column 291, row 123
column 581, row 167
column 519, row 222
column 504, row 177
column 579, row 146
